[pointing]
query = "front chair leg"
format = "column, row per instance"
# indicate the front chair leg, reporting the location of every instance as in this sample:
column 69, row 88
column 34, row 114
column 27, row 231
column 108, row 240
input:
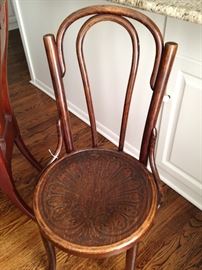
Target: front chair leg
column 130, row 258
column 50, row 250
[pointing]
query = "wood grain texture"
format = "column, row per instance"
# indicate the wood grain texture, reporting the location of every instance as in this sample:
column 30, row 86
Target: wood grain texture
column 173, row 243
column 97, row 202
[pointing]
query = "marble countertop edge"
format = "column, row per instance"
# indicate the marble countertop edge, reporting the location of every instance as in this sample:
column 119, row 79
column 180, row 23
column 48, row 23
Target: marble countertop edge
column 173, row 8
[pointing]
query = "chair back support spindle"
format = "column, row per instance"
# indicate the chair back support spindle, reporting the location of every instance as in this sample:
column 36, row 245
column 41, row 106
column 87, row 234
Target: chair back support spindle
column 163, row 61
column 56, row 74
column 167, row 60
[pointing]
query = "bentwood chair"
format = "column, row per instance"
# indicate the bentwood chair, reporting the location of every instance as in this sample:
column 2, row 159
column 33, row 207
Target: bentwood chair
column 98, row 202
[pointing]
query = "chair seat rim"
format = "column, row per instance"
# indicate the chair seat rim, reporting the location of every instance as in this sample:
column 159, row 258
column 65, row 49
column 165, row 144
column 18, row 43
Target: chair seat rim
column 94, row 251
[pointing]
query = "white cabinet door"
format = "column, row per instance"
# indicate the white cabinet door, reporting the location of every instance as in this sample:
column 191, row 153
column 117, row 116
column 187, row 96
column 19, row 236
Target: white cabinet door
column 179, row 153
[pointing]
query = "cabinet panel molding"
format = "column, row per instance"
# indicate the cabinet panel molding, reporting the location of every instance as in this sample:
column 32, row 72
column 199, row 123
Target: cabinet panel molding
column 179, row 153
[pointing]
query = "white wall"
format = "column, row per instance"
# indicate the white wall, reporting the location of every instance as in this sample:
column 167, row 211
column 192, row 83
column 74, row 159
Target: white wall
column 12, row 22
column 108, row 52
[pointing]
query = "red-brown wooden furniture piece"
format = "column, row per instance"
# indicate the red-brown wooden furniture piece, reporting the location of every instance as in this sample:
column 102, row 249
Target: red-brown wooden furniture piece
column 98, row 202
column 9, row 130
column 10, row 133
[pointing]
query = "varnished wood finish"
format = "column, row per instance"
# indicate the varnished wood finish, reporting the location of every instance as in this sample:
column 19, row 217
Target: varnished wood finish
column 130, row 258
column 99, row 210
column 113, row 10
column 172, row 243
column 50, row 252
column 134, row 65
column 55, row 53
column 9, row 131
column 72, row 202
column 153, row 165
column 166, row 63
column 59, row 91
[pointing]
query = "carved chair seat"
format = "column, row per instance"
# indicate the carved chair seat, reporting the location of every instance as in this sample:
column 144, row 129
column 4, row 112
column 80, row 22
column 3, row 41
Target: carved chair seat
column 95, row 201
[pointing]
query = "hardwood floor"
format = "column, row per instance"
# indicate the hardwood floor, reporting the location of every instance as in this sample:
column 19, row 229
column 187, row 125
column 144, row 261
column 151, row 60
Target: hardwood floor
column 173, row 243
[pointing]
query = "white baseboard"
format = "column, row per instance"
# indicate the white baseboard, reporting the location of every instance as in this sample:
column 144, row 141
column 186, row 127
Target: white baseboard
column 12, row 23
column 193, row 196
column 43, row 87
column 106, row 132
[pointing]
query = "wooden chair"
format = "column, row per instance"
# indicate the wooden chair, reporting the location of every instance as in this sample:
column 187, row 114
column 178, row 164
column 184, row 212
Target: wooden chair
column 10, row 133
column 98, row 202
column 9, row 130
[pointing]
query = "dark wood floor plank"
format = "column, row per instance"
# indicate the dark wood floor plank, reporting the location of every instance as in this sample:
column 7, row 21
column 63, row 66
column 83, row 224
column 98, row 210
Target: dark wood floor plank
column 173, row 243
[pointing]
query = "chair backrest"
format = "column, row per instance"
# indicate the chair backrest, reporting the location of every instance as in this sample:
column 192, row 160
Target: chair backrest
column 7, row 128
column 164, row 58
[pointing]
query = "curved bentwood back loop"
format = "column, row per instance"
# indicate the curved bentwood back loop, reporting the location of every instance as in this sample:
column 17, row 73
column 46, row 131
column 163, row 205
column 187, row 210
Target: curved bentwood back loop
column 57, row 66
column 135, row 45
column 112, row 10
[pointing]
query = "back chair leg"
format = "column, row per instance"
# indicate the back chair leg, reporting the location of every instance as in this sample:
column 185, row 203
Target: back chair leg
column 23, row 149
column 50, row 250
column 130, row 258
column 8, row 188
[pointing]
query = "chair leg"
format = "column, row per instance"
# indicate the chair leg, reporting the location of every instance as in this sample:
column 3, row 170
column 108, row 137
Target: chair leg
column 23, row 149
column 130, row 258
column 9, row 189
column 50, row 250
column 16, row 199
